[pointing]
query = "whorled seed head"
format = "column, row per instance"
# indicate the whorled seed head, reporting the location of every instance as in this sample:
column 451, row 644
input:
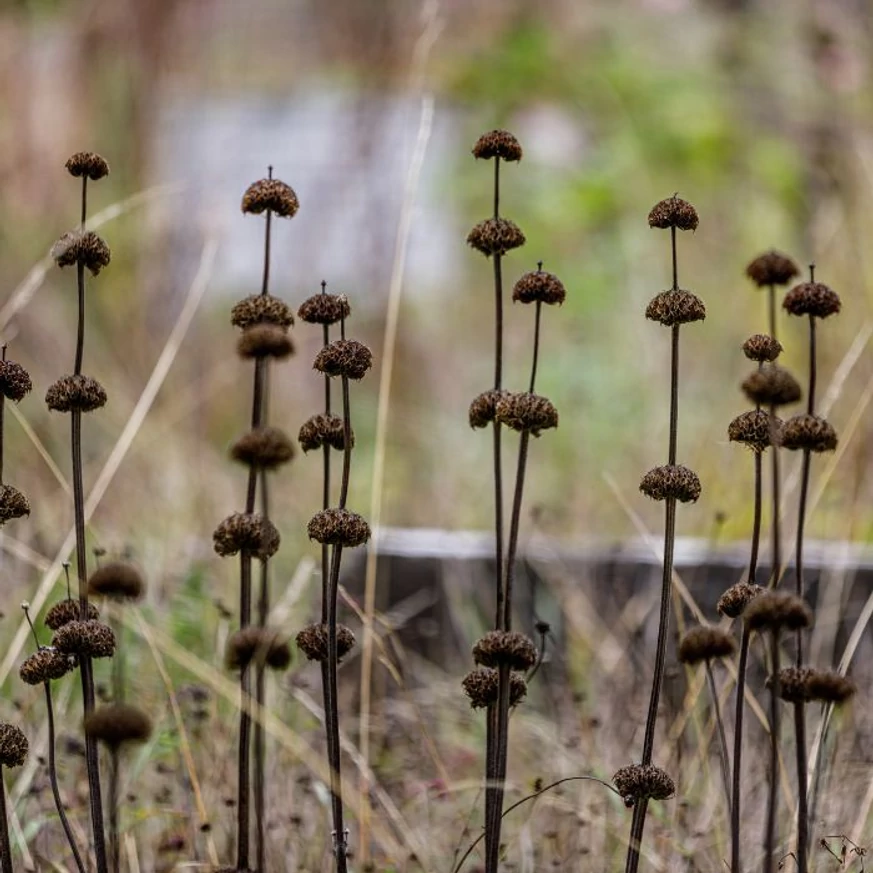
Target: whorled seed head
column 771, row 268
column 248, row 532
column 13, row 746
column 117, row 580
column 675, row 307
column 91, row 639
column 323, row 430
column 495, row 236
column 812, row 298
column 116, row 724
column 271, row 194
column 641, row 782
column 344, row 357
column 261, row 645
column 76, row 392
column 13, row 504
column 809, row 432
column 673, row 212
column 792, row 684
column 312, row 641
column 771, row 386
column 81, row 247
column 261, row 309
column 510, row 648
column 14, row 380
column 526, row 412
column 497, row 144
column 756, row 429
column 265, row 341
column 735, row 600
column 483, row 407
column 703, row 643
column 671, row 481
column 65, row 611
column 324, row 309
column 87, row 164
column 762, row 348
column 539, row 287
column 481, row 686
column 777, row 610
column 44, row 665
column 338, row 527
column 263, row 448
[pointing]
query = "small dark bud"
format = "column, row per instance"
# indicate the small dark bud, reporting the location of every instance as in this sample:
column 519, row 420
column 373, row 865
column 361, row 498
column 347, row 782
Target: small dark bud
column 497, row 144
column 675, row 307
column 539, row 287
column 481, row 686
column 526, row 412
column 812, row 298
column 13, row 504
column 809, row 432
column 771, row 386
column 87, row 164
column 76, row 247
column 87, row 639
column 338, row 527
column 45, row 665
column 14, row 380
column 247, row 532
column 671, row 482
column 270, row 194
column 13, row 746
column 72, row 393
column 762, row 348
column 483, row 407
column 117, row 580
column 777, row 610
column 323, row 430
column 265, row 341
column 641, row 782
column 756, row 429
column 673, row 212
column 264, row 448
column 324, row 309
column 734, row 601
column 771, row 268
column 118, row 723
column 705, row 643
column 511, row 648
column 495, row 236
column 65, row 611
column 312, row 641
column 348, row 358
column 261, row 309
column 258, row 644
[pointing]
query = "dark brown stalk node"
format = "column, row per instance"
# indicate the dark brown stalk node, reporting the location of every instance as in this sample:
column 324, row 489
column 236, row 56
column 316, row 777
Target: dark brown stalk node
column 735, row 600
column 87, row 164
column 771, row 385
column 673, row 212
column 14, row 380
column 81, row 247
column 323, row 430
column 65, row 611
column 91, row 639
column 812, row 298
column 77, row 392
column 483, row 407
column 771, row 268
column 777, row 610
column 117, row 580
column 261, row 309
column 539, row 287
column 704, row 643
column 118, row 723
column 497, row 144
column 338, row 527
column 755, row 429
column 265, row 341
column 675, row 307
column 344, row 357
column 264, row 448
column 809, row 432
column 324, row 309
column 510, row 648
column 312, row 641
column 258, row 644
column 526, row 412
column 247, row 532
column 481, row 686
column 641, row 782
column 762, row 348
column 270, row 194
column 495, row 236
column 44, row 665
column 13, row 504
column 13, row 746
column 671, row 481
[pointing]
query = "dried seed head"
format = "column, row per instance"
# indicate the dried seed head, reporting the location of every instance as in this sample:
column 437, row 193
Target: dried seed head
column 265, row 341
column 344, row 357
column 539, row 287
column 65, row 611
column 812, row 298
column 90, row 639
column 13, row 746
column 258, row 644
column 323, row 430
column 641, row 782
column 77, row 392
column 771, row 385
column 118, row 723
column 771, row 268
column 44, row 665
column 117, row 580
column 829, row 687
column 734, row 601
column 87, row 164
column 809, row 432
column 480, row 685
column 511, row 648
column 264, row 448
column 704, row 643
column 497, row 144
column 14, row 380
column 526, row 412
column 482, row 409
column 763, row 348
column 261, row 309
column 673, row 212
column 792, row 684
column 495, row 236
column 13, row 504
column 675, row 307
column 78, row 247
column 338, row 527
column 270, row 194
column 247, row 532
column 777, row 610
column 671, row 481
column 312, row 641
column 325, row 309
column 755, row 429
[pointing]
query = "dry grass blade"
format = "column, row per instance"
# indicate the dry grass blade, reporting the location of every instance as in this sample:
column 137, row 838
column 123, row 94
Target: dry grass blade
column 41, row 450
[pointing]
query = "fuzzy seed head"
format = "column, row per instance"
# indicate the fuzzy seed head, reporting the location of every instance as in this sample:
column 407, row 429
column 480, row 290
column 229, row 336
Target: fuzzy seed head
column 777, row 610
column 323, row 430
column 44, row 665
column 87, row 164
column 312, row 641
column 812, row 298
column 348, row 358
column 324, row 309
column 828, row 686
column 116, row 724
column 117, row 580
column 771, row 385
column 497, row 144
column 763, row 348
column 771, row 268
column 675, row 307
column 13, row 746
column 271, row 194
column 673, row 212
column 248, row 532
column 77, row 392
column 809, row 432
column 257, row 644
column 793, row 684
column 705, row 643
column 526, row 412
column 86, row 639
column 539, row 287
column 671, row 482
column 338, row 527
column 14, row 380
column 13, row 504
column 483, row 408
column 641, row 782
column 261, row 309
column 65, row 611
column 495, row 236
column 756, row 429
column 265, row 341
column 735, row 600
column 512, row 648
column 481, row 686
column 263, row 448
column 78, row 247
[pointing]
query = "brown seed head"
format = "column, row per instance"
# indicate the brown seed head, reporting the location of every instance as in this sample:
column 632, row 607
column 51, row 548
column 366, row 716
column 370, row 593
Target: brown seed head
column 271, row 194
column 763, row 348
column 265, row 341
column 65, row 611
column 777, row 610
column 44, row 665
column 259, row 644
column 812, row 298
column 497, row 144
column 247, row 532
column 771, row 268
column 829, row 687
column 87, row 164
column 793, row 684
column 13, row 504
column 91, row 639
column 348, row 358
column 264, row 448
column 323, row 430
column 703, row 643
column 117, row 580
column 771, row 385
column 539, row 287
column 495, row 236
column 78, row 392
column 14, row 380
column 516, row 650
column 312, row 641
column 755, row 429
column 13, row 746
column 673, row 212
column 675, row 307
column 86, row 247
column 325, row 309
column 480, row 685
column 526, row 412
column 734, row 601
column 338, row 527
column 641, row 782
column 261, row 309
column 483, row 407
column 677, row 482
column 809, row 432
column 118, row 723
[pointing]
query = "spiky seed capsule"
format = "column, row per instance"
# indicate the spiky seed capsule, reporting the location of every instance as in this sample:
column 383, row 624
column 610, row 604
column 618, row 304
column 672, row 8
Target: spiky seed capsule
column 539, row 287
column 117, row 724
column 775, row 610
column 771, row 385
column 117, row 580
column 13, row 746
column 809, row 432
column 643, row 781
column 324, row 309
column 76, row 246
column 247, row 532
column 510, row 648
column 671, row 481
column 65, row 611
column 483, row 407
column 44, row 665
column 261, row 309
column 755, row 429
column 497, row 144
column 481, row 686
column 792, row 684
column 87, row 164
column 771, row 268
column 735, row 600
column 265, row 341
column 76, row 392
column 323, row 430
column 344, row 357
column 675, row 307
column 312, row 641
column 829, row 687
column 812, row 298
column 673, row 212
column 338, row 527
column 495, row 236
column 526, row 412
column 91, row 639
column 13, row 504
column 14, row 380
column 704, row 643
column 762, row 348
column 258, row 644
column 271, row 194
column 264, row 448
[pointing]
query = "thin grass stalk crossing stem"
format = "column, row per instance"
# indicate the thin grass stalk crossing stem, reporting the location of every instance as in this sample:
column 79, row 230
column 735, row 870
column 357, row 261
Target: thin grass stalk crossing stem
column 722, row 738
column 5, row 846
column 773, row 770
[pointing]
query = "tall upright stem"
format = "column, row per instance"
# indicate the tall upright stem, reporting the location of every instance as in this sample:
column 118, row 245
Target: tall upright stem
column 776, row 523
column 773, row 770
column 114, row 844
column 724, row 759
column 260, row 743
column 5, row 846
column 736, row 788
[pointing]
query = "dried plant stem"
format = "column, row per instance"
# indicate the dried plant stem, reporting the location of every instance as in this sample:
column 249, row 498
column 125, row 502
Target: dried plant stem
column 722, row 738
column 260, row 738
column 114, row 844
column 5, row 846
column 775, row 476
column 773, row 786
column 736, row 792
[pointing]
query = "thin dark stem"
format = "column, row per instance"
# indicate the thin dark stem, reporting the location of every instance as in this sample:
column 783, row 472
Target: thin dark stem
column 775, row 477
column 80, row 284
column 722, row 738
column 773, row 771
column 5, row 846
column 261, row 698
column 2, row 416
column 114, row 844
column 675, row 262
column 325, row 492
column 738, row 752
column 536, row 348
column 496, row 187
column 638, row 825
column 245, row 726
column 802, row 788
column 756, row 523
column 266, row 280
column 674, row 394
column 771, row 301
